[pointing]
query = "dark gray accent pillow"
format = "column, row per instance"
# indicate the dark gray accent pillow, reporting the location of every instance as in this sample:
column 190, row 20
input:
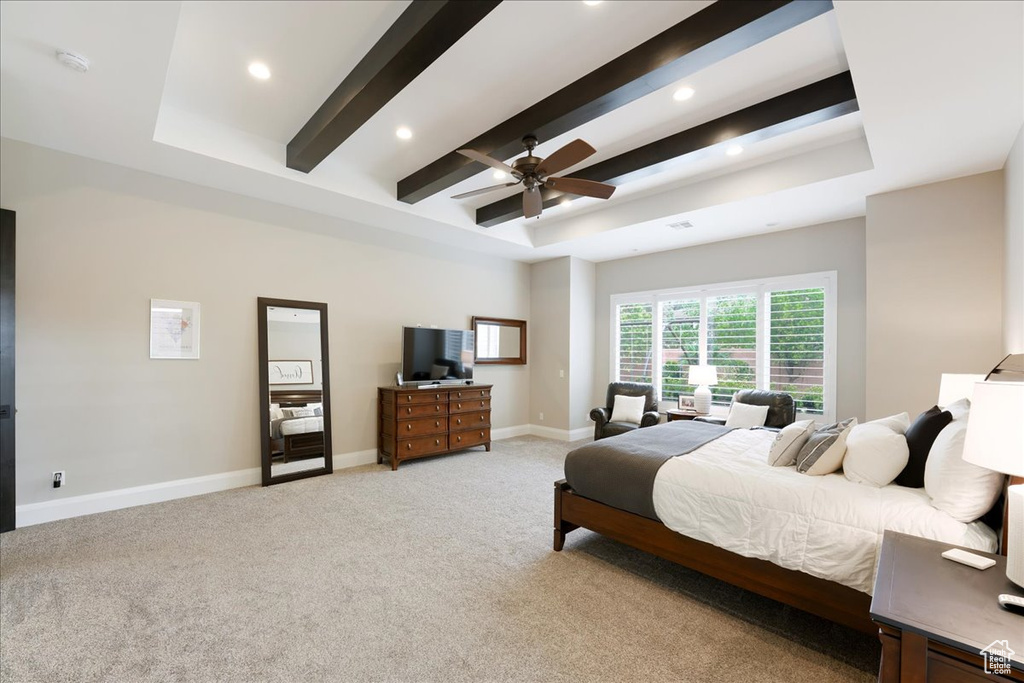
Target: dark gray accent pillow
column 920, row 437
column 819, row 444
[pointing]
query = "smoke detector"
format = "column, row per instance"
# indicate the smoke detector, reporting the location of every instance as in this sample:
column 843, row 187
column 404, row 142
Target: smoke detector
column 681, row 225
column 73, row 60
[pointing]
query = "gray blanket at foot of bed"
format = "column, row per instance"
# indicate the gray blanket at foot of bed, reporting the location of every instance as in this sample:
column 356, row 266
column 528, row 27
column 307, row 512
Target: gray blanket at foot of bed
column 620, row 470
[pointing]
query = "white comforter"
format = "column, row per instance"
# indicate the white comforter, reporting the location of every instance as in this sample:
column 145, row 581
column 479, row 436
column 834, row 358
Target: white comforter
column 302, row 425
column 725, row 493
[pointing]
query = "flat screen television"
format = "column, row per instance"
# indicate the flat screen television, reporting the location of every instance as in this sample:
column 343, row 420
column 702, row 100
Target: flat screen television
column 430, row 355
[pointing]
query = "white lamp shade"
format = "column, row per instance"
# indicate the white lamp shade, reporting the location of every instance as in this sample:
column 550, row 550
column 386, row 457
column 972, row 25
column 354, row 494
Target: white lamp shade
column 995, row 427
column 952, row 388
column 703, row 375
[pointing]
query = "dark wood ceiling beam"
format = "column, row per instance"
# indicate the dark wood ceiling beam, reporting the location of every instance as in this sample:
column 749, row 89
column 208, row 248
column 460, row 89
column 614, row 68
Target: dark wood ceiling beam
column 821, row 101
column 426, row 29
column 709, row 36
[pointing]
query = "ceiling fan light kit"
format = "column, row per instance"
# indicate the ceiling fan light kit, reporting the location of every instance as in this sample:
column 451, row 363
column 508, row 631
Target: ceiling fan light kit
column 537, row 172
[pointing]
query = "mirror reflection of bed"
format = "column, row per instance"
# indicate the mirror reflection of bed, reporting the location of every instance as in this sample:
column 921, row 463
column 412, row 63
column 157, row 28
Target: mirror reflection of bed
column 296, row 430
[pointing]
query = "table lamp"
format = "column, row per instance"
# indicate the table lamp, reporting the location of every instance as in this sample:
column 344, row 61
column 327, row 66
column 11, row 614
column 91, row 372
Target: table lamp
column 952, row 387
column 702, row 376
column 995, row 440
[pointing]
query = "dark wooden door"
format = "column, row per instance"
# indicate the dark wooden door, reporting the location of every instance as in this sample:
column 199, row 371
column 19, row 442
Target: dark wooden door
column 6, row 370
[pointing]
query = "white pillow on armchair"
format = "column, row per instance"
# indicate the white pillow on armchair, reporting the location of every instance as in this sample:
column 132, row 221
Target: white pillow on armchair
column 628, row 408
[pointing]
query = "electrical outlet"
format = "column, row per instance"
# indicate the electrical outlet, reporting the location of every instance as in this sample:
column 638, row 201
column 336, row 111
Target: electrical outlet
column 542, row 417
column 59, row 479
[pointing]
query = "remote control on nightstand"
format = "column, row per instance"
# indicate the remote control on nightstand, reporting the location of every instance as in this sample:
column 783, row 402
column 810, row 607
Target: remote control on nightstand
column 1012, row 603
column 970, row 559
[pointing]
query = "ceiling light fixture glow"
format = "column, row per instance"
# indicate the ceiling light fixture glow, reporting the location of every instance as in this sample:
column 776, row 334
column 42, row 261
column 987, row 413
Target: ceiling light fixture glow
column 682, row 94
column 404, row 133
column 499, row 175
column 734, row 150
column 259, row 70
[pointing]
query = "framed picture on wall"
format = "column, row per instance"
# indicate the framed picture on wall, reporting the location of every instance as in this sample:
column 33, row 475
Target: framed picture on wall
column 291, row 371
column 173, row 329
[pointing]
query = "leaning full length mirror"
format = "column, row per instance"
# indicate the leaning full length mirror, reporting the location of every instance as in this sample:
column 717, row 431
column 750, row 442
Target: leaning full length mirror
column 295, row 415
column 500, row 341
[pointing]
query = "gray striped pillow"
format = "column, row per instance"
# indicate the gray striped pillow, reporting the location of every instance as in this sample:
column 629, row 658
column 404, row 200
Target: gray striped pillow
column 823, row 453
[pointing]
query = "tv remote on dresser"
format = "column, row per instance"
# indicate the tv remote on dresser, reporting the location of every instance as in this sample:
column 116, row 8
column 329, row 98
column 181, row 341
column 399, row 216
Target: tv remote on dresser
column 1013, row 603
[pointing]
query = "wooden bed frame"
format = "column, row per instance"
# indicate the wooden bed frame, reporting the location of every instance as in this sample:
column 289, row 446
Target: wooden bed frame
column 833, row 601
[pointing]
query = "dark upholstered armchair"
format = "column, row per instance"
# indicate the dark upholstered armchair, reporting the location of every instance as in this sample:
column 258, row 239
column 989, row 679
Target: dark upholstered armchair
column 601, row 416
column 781, row 409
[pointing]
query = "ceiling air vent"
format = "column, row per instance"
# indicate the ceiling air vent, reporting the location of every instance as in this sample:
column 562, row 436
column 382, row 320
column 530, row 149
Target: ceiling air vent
column 681, row 225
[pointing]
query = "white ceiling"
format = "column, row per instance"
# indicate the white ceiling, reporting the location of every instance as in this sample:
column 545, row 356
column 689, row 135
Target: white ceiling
column 940, row 85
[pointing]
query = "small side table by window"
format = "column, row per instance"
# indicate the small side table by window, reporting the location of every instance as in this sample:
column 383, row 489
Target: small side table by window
column 673, row 414
column 936, row 618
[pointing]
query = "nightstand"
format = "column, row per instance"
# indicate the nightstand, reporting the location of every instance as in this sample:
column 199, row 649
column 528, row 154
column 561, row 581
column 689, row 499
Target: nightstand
column 673, row 414
column 937, row 617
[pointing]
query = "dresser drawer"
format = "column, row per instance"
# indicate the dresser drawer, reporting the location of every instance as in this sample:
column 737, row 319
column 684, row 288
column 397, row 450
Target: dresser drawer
column 466, row 394
column 474, row 437
column 430, row 425
column 463, row 421
column 470, row 406
column 422, row 445
column 422, row 410
column 421, row 396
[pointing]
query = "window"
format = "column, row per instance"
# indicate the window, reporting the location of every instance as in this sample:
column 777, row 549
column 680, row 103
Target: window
column 772, row 334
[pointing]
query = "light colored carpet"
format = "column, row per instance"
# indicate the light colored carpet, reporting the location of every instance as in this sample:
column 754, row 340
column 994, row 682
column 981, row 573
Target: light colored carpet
column 441, row 571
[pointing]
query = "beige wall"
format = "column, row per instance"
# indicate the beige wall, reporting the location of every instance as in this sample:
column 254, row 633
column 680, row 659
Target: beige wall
column 834, row 246
column 549, row 349
column 934, row 288
column 582, row 278
column 96, row 242
column 1013, row 289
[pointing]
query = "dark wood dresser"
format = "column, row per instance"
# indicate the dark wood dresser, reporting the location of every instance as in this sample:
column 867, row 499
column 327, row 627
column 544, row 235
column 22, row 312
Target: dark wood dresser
column 936, row 618
column 415, row 423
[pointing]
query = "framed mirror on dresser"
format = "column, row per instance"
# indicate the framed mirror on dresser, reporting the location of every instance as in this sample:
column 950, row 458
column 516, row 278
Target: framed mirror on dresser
column 295, row 394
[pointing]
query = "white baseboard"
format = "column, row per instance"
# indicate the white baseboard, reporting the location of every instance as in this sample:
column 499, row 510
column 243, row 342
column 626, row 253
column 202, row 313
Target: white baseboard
column 91, row 503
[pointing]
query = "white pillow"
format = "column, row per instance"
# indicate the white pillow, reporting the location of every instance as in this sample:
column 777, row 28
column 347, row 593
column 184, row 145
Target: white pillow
column 959, row 409
column 788, row 443
column 875, row 452
column 744, row 415
column 298, row 412
column 275, row 412
column 628, row 408
column 824, row 451
column 961, row 489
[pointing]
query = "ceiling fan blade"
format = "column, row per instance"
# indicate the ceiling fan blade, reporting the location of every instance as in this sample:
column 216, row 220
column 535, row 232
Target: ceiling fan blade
column 561, row 159
column 586, row 188
column 533, row 204
column 483, row 190
column 484, row 159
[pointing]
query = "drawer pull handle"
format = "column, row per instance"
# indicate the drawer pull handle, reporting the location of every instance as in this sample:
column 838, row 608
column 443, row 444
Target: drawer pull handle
column 481, row 404
column 408, row 399
column 437, row 397
column 408, row 427
column 408, row 410
column 481, row 435
column 437, row 442
column 437, row 409
column 408, row 446
column 458, row 405
column 458, row 394
column 437, row 423
column 459, row 438
column 481, row 418
column 458, row 420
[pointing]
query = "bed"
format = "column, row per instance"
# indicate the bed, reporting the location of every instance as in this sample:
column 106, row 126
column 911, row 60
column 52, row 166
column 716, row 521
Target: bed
column 705, row 497
column 296, row 425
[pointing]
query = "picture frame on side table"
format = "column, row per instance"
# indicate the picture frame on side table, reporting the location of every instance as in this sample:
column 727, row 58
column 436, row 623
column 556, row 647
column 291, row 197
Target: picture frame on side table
column 686, row 403
column 173, row 329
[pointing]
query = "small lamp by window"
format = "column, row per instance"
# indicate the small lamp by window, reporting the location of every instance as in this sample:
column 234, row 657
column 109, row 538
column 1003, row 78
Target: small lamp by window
column 703, row 376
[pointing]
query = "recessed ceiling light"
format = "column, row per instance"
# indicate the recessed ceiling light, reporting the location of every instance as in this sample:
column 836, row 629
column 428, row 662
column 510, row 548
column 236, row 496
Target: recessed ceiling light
column 734, row 150
column 499, row 175
column 403, row 133
column 566, row 202
column 682, row 94
column 592, row 3
column 259, row 70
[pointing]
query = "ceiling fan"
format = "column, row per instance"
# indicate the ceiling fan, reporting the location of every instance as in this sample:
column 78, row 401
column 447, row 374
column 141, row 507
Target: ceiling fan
column 535, row 173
